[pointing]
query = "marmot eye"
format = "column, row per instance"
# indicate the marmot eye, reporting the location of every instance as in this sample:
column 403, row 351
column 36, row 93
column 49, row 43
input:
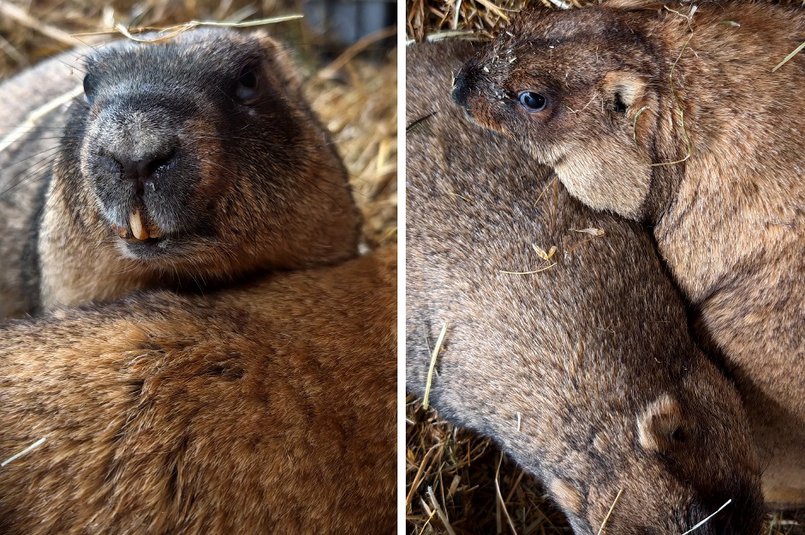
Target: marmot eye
column 532, row 101
column 248, row 84
column 89, row 86
column 679, row 435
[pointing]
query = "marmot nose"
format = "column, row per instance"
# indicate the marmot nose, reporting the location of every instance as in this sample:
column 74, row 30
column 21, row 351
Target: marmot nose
column 142, row 170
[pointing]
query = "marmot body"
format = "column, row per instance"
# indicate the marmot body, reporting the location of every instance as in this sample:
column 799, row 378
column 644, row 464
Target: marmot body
column 675, row 115
column 577, row 359
column 186, row 163
column 264, row 408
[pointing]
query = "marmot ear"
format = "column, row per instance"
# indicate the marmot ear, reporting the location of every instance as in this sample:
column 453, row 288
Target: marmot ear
column 623, row 90
column 266, row 41
column 280, row 62
column 660, row 427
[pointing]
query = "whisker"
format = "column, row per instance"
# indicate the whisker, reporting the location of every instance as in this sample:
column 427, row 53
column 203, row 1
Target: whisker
column 34, row 155
column 71, row 66
column 703, row 522
column 37, row 114
column 36, row 170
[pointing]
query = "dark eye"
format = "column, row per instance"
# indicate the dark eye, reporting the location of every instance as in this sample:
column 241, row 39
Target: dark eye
column 532, row 101
column 89, row 86
column 248, row 84
column 679, row 435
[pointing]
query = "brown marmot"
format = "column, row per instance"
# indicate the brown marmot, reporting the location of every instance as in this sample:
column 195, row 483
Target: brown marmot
column 269, row 407
column 565, row 341
column 683, row 116
column 182, row 164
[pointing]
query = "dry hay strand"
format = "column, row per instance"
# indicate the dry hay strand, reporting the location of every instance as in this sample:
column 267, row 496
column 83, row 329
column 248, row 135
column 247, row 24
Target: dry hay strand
column 166, row 34
column 459, row 466
column 432, row 366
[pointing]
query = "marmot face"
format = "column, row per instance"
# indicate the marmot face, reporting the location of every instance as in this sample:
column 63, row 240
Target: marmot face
column 670, row 473
column 576, row 89
column 200, row 150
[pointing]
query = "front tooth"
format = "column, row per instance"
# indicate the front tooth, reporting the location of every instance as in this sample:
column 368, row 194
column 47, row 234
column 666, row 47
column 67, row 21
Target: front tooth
column 136, row 223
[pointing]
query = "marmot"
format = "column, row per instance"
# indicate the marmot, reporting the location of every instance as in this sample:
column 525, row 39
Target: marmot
column 183, row 164
column 685, row 117
column 565, row 341
column 267, row 407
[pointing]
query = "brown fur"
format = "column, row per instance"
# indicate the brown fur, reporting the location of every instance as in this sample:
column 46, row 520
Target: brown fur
column 265, row 408
column 677, row 119
column 585, row 373
column 251, row 187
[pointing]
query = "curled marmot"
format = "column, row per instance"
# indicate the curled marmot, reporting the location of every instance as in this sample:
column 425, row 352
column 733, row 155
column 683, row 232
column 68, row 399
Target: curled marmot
column 677, row 116
column 564, row 340
column 265, row 408
column 186, row 162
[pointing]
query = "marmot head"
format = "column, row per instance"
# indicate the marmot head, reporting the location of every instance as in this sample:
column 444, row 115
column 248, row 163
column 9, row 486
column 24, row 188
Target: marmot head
column 581, row 90
column 199, row 152
column 683, row 455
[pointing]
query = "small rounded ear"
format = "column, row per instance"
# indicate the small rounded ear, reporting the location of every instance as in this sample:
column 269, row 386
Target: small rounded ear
column 280, row 61
column 266, row 41
column 623, row 90
column 660, row 427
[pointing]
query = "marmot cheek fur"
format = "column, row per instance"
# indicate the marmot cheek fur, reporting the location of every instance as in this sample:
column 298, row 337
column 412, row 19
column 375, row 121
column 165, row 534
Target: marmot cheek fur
column 183, row 164
column 576, row 360
column 674, row 114
column 266, row 408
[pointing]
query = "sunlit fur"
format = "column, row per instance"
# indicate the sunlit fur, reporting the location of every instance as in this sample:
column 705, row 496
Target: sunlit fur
column 265, row 408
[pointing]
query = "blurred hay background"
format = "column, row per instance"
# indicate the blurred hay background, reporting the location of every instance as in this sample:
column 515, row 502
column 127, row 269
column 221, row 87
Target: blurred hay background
column 353, row 90
column 429, row 18
column 479, row 17
column 457, row 482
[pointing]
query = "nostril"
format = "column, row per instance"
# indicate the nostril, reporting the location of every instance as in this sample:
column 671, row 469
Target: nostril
column 157, row 163
column 146, row 169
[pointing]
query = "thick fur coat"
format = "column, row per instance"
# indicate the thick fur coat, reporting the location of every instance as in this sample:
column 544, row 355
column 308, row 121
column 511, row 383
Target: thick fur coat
column 266, row 408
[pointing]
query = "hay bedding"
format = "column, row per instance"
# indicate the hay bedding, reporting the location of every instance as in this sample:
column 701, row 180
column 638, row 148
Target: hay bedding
column 458, row 482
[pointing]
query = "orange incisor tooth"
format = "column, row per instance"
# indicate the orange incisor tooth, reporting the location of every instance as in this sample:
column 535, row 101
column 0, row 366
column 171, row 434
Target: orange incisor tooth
column 137, row 228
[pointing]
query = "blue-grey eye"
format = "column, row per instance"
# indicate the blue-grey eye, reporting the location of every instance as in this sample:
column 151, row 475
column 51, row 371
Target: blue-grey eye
column 532, row 101
column 89, row 86
column 248, row 84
